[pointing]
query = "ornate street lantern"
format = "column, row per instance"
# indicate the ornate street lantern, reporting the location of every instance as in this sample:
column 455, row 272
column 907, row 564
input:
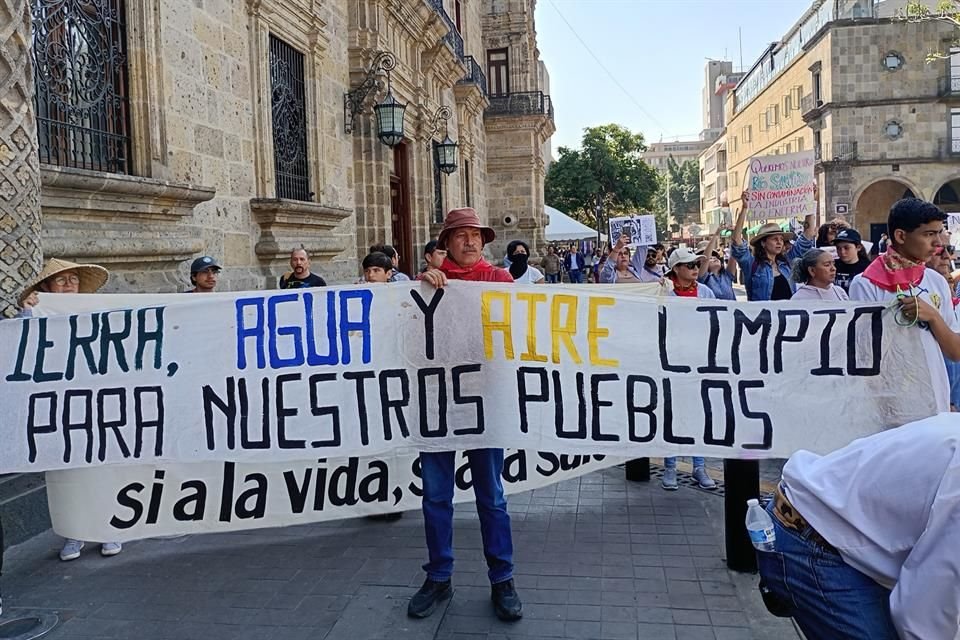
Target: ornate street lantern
column 447, row 155
column 390, row 120
column 389, row 113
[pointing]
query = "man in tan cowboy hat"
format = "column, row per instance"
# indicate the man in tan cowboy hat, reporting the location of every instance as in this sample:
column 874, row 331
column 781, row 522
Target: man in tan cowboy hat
column 62, row 276
column 463, row 236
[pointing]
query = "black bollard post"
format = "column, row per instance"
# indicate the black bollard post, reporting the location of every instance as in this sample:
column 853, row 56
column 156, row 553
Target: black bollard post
column 638, row 470
column 741, row 479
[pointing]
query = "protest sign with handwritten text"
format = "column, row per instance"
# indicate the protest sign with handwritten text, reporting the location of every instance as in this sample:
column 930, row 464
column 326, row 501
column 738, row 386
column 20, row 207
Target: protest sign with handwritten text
column 782, row 186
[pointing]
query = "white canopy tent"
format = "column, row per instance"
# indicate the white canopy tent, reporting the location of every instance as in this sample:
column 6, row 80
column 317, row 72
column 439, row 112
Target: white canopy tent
column 560, row 227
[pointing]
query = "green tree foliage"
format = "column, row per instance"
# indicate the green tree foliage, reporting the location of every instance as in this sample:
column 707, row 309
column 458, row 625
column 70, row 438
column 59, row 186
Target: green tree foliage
column 684, row 191
column 608, row 163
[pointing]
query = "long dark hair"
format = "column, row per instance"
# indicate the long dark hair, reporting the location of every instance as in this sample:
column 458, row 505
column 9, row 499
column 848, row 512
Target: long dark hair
column 760, row 254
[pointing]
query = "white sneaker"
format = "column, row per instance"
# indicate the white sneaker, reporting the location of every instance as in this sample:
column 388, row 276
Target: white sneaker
column 71, row 549
column 108, row 549
column 703, row 478
column 669, row 480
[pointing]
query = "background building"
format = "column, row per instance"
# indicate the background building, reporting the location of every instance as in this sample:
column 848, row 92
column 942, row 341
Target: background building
column 518, row 122
column 659, row 153
column 245, row 129
column 851, row 81
column 720, row 79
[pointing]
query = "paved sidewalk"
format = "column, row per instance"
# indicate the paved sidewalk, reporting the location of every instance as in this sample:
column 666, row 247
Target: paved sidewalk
column 597, row 557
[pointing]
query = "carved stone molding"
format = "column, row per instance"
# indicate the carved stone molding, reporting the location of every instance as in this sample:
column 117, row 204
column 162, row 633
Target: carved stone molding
column 137, row 220
column 471, row 96
column 285, row 224
column 68, row 191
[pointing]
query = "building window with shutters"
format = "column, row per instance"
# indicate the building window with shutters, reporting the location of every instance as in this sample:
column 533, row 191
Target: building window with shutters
column 289, row 122
column 82, row 93
column 498, row 72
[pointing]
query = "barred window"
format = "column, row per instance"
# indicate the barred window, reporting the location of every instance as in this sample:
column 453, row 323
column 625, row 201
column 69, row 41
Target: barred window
column 288, row 107
column 82, row 101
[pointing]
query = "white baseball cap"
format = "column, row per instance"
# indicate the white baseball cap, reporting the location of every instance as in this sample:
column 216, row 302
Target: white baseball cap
column 682, row 255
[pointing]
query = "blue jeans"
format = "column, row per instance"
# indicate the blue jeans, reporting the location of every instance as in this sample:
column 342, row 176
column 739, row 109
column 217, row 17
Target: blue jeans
column 552, row 278
column 828, row 597
column 486, row 467
column 576, row 277
column 671, row 463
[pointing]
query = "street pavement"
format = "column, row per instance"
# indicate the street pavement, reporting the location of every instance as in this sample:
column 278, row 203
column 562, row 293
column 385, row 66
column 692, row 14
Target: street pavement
column 596, row 557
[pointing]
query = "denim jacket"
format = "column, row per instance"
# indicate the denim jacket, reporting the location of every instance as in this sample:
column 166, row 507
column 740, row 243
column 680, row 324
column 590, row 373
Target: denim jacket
column 760, row 284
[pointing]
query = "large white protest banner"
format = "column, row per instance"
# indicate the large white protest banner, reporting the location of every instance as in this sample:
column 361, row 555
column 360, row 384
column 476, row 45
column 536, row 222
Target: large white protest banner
column 782, row 186
column 129, row 503
column 347, row 371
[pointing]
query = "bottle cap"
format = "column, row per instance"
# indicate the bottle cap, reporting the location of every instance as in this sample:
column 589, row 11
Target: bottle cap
column 753, row 502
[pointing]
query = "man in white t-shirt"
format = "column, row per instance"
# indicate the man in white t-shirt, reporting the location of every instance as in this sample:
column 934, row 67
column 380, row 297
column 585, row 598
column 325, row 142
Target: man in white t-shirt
column 914, row 227
column 866, row 538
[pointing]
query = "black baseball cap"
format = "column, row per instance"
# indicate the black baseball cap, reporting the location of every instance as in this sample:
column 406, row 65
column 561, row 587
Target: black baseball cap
column 848, row 235
column 204, row 262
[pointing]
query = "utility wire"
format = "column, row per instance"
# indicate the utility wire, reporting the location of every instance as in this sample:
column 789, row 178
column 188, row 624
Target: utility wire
column 604, row 67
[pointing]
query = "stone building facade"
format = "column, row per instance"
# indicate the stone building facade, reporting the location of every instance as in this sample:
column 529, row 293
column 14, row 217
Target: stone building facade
column 223, row 127
column 852, row 82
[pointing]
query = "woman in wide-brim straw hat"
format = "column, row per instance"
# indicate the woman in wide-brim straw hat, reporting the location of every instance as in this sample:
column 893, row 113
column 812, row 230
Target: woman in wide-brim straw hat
column 63, row 276
column 765, row 265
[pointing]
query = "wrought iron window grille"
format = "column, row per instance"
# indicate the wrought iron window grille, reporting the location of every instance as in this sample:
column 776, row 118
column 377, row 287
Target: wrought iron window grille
column 80, row 61
column 288, row 116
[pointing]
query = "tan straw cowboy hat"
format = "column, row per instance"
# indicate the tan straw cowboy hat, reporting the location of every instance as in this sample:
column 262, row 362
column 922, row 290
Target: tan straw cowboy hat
column 771, row 229
column 92, row 276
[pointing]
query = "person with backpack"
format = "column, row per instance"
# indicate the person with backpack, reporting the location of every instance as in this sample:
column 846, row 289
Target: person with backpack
column 765, row 267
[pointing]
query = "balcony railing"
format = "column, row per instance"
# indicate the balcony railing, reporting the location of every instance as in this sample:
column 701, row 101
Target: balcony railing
column 808, row 104
column 475, row 74
column 948, row 86
column 520, row 104
column 836, row 152
column 453, row 37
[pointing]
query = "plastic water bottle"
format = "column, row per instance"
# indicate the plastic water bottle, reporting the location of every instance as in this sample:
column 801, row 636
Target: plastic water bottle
column 760, row 527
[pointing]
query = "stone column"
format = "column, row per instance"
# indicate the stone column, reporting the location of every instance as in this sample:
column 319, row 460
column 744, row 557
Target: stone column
column 20, row 252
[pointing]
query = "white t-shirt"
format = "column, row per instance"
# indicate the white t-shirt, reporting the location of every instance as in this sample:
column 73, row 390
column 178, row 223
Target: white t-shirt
column 889, row 504
column 934, row 290
column 530, row 276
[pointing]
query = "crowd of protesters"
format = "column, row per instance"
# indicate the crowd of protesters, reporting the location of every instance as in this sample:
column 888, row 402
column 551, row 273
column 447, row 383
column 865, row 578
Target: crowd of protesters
column 913, row 271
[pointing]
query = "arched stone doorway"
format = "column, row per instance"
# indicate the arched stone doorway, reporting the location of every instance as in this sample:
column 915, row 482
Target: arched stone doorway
column 873, row 206
column 948, row 196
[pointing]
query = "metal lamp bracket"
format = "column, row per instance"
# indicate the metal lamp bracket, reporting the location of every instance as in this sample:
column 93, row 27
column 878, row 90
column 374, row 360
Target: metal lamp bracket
column 443, row 114
column 355, row 99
